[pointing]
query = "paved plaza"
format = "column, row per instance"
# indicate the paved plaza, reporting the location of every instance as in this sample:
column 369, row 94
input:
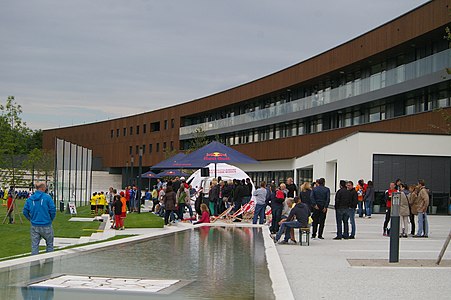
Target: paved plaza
column 330, row 269
column 323, row 270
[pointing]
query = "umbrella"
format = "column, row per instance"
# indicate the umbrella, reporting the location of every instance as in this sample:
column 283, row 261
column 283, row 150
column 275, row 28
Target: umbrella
column 149, row 175
column 215, row 152
column 170, row 163
column 172, row 173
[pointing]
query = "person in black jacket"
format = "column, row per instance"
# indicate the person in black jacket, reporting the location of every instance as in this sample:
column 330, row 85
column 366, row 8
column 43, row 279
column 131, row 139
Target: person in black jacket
column 320, row 198
column 238, row 194
column 342, row 200
column 277, row 199
column 352, row 207
column 301, row 212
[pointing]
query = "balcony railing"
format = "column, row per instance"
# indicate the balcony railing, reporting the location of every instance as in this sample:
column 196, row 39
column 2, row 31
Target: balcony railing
column 402, row 73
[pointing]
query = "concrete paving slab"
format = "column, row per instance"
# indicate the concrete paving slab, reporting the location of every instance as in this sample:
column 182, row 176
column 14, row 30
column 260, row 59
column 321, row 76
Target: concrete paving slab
column 322, row 270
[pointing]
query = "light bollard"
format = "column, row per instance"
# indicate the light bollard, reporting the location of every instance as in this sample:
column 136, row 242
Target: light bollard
column 394, row 228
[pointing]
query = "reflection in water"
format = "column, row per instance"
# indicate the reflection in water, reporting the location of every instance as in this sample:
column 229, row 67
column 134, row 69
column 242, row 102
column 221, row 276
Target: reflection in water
column 221, row 263
column 39, row 271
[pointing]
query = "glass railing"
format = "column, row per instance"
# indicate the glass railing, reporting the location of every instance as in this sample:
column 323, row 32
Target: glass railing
column 402, row 73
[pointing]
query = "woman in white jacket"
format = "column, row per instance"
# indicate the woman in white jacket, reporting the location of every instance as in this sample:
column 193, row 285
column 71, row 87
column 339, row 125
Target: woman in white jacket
column 404, row 212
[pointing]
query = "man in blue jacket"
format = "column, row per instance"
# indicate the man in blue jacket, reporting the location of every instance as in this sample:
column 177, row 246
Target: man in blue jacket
column 40, row 210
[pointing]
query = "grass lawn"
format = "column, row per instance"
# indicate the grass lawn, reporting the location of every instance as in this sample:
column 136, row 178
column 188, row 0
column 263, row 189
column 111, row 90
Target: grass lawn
column 143, row 220
column 16, row 237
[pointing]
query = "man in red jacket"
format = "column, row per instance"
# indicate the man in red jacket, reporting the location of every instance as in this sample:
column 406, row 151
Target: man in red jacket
column 10, row 209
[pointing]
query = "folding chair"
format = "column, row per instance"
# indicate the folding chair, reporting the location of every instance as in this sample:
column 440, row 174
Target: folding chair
column 222, row 215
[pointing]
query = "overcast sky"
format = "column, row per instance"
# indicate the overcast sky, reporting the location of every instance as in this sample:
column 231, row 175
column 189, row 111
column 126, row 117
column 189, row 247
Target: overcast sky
column 74, row 62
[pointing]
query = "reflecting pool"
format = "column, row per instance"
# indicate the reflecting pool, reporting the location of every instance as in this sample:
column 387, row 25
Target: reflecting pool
column 206, row 263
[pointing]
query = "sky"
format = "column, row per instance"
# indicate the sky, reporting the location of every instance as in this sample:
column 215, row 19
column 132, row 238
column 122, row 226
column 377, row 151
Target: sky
column 81, row 61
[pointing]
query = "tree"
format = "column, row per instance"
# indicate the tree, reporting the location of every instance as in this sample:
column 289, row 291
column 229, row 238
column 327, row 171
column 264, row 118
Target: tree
column 200, row 139
column 13, row 134
column 40, row 163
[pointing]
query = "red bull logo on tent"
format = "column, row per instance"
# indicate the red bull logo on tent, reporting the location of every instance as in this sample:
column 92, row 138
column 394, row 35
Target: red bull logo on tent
column 216, row 156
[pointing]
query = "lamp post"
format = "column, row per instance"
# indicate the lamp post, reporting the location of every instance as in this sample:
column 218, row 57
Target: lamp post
column 138, row 192
column 132, row 159
column 126, row 174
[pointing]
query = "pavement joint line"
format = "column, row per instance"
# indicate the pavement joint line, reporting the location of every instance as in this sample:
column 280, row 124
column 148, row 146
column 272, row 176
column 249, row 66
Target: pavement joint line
column 400, row 268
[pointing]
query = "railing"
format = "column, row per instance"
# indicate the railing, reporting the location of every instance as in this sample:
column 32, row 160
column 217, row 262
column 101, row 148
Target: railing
column 402, row 73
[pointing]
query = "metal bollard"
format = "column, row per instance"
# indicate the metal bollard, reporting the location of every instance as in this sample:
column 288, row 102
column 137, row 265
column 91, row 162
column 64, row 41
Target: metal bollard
column 394, row 227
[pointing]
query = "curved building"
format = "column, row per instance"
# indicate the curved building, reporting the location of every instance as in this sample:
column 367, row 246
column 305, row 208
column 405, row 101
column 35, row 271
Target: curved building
column 392, row 79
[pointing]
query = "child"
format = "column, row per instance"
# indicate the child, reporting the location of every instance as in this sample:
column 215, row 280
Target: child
column 117, row 204
column 205, row 215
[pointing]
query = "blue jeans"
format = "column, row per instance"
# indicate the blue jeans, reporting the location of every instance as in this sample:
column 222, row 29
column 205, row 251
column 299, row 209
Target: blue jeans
column 368, row 207
column 341, row 216
column 351, row 213
column 285, row 227
column 423, row 226
column 110, row 209
column 360, row 206
column 259, row 213
column 38, row 232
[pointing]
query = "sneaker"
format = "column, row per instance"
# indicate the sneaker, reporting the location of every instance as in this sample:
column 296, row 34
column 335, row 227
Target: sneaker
column 292, row 242
column 313, row 236
column 404, row 235
column 337, row 238
column 321, row 238
column 283, row 242
column 425, row 236
column 352, row 237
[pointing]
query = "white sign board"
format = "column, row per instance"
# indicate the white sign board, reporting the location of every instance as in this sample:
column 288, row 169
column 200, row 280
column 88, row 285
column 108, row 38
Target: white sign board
column 72, row 208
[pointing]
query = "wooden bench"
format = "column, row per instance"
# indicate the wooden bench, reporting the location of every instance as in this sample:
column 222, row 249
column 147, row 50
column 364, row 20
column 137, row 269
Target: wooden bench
column 304, row 232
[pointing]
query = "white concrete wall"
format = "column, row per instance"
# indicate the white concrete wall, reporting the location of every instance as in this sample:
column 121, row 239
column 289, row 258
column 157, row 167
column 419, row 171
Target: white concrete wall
column 101, row 181
column 354, row 154
column 269, row 165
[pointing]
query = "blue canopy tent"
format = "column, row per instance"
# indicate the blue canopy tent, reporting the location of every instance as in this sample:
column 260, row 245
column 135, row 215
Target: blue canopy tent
column 149, row 175
column 170, row 163
column 215, row 152
column 172, row 173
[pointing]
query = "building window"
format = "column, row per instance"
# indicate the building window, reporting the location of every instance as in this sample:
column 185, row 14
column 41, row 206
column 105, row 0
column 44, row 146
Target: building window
column 172, row 123
column 137, row 149
column 410, row 107
column 348, row 120
column 117, row 132
column 155, row 126
column 164, row 146
column 150, row 148
column 158, row 147
column 112, row 133
column 165, row 124
column 144, row 128
column 144, row 149
column 125, row 131
column 357, row 118
column 137, row 129
column 172, row 145
column 131, row 130
column 130, row 150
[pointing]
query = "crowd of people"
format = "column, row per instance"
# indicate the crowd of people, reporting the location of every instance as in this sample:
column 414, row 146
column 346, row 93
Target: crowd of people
column 283, row 207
